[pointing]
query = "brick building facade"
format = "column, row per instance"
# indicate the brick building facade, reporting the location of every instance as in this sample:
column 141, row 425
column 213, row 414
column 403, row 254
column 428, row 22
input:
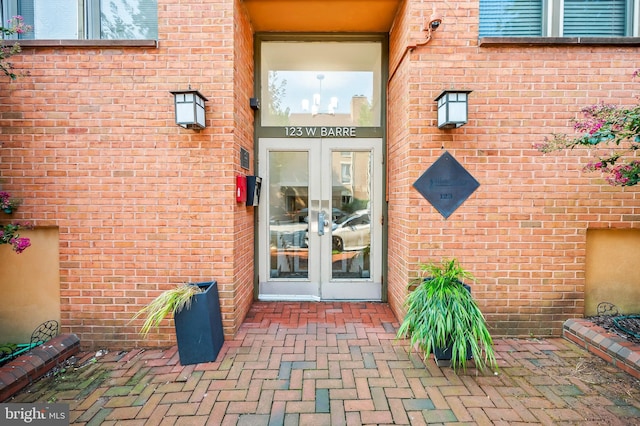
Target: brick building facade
column 138, row 204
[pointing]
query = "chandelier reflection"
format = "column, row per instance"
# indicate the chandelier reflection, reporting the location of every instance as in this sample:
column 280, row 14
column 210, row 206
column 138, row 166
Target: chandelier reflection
column 316, row 105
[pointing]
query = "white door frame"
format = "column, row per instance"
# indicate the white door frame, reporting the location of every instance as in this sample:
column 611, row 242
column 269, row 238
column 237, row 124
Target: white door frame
column 319, row 285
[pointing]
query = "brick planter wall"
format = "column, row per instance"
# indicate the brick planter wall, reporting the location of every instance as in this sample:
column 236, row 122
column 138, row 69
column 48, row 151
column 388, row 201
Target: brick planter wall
column 608, row 346
column 29, row 367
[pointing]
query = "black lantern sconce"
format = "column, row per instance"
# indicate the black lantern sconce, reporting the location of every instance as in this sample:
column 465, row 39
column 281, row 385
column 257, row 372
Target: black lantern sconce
column 453, row 108
column 189, row 106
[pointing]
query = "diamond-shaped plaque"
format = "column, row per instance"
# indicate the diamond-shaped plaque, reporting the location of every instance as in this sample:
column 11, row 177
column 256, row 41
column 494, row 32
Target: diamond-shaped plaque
column 446, row 184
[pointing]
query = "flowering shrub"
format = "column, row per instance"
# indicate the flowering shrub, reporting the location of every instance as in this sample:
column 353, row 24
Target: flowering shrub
column 609, row 130
column 627, row 174
column 7, row 203
column 15, row 25
column 9, row 235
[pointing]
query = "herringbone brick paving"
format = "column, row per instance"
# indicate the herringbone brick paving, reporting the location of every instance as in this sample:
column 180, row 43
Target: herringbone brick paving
column 339, row 364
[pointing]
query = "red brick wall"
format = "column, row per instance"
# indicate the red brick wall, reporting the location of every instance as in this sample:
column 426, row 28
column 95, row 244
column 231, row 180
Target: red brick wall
column 523, row 232
column 401, row 158
column 89, row 142
column 243, row 131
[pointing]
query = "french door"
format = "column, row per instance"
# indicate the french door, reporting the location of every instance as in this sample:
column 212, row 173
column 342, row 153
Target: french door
column 320, row 219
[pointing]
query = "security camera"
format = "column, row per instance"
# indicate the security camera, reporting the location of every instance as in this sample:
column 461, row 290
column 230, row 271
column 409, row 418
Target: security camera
column 435, row 21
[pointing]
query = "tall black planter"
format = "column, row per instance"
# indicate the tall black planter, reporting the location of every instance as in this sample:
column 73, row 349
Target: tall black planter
column 199, row 328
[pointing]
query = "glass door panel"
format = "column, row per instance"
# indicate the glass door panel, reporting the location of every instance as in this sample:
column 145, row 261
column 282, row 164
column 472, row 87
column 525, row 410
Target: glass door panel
column 288, row 262
column 288, row 214
column 351, row 227
column 352, row 185
column 320, row 228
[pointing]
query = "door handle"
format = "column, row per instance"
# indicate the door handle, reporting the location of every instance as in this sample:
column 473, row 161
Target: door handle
column 322, row 222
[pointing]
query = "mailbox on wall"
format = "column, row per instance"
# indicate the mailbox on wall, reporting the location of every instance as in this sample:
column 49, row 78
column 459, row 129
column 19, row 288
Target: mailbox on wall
column 254, row 184
column 241, row 189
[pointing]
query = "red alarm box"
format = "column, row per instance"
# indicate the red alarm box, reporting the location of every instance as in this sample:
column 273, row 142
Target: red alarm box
column 241, row 189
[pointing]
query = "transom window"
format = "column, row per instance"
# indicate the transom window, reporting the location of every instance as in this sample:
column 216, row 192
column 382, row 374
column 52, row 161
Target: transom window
column 87, row 19
column 558, row 18
column 341, row 90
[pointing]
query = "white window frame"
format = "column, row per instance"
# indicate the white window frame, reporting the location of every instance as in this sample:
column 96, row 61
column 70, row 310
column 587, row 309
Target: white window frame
column 346, row 173
column 636, row 18
column 553, row 18
column 88, row 17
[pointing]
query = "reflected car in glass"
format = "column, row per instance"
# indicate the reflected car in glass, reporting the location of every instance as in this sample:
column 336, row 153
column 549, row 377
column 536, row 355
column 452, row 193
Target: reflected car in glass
column 352, row 232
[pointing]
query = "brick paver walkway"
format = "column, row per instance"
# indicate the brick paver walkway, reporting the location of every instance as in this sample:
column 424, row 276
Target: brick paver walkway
column 338, row 364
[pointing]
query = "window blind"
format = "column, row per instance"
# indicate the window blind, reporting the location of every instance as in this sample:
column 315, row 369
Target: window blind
column 25, row 9
column 594, row 18
column 510, row 18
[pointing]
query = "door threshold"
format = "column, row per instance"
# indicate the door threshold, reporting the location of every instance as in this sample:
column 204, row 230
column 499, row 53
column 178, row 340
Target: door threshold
column 287, row 298
column 298, row 298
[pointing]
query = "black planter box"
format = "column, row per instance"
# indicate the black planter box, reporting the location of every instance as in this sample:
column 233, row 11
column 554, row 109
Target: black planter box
column 199, row 328
column 443, row 355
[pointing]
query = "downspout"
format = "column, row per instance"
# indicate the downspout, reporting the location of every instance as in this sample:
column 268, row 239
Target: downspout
column 435, row 20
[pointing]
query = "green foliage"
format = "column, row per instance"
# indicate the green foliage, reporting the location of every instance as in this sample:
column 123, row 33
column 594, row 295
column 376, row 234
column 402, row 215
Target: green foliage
column 355, row 205
column 365, row 118
column 8, row 348
column 277, row 91
column 441, row 312
column 168, row 302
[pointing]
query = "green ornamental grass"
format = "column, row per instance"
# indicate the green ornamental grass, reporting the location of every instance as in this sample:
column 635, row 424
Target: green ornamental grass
column 441, row 313
column 168, row 302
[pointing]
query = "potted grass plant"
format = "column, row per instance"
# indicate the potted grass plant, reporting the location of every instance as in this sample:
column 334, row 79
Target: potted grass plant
column 197, row 318
column 443, row 318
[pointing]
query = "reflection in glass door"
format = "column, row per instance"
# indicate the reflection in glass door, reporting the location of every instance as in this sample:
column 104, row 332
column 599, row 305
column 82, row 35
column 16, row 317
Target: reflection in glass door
column 288, row 214
column 351, row 222
column 320, row 229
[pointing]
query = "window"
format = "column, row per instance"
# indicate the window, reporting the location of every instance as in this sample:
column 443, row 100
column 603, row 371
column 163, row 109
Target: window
column 510, row 18
column 557, row 18
column 87, row 19
column 345, row 173
column 594, row 18
column 321, row 83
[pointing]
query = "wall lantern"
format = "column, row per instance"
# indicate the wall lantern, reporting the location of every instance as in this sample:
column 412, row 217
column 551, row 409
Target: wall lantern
column 452, row 108
column 189, row 109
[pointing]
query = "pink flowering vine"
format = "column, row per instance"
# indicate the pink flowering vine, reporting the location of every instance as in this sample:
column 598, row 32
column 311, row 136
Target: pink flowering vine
column 612, row 131
column 8, row 204
column 9, row 235
column 15, row 25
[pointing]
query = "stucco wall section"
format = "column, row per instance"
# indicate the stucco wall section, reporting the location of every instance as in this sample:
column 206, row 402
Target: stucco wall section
column 612, row 273
column 29, row 285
